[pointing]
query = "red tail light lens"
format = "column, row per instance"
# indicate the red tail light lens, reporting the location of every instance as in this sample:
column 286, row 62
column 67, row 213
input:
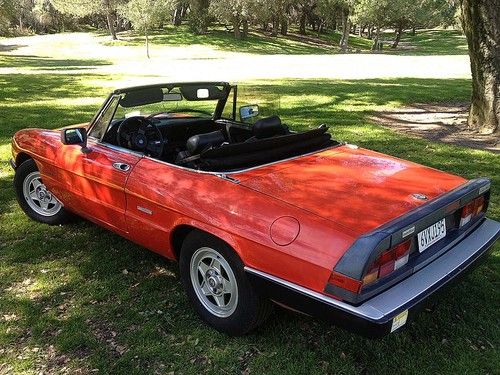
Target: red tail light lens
column 388, row 262
column 479, row 205
column 344, row 282
column 471, row 209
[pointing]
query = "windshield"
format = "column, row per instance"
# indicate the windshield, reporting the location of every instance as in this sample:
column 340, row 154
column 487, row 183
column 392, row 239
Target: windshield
column 199, row 101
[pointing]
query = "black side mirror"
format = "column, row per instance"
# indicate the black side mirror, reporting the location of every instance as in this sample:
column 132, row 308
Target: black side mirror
column 75, row 136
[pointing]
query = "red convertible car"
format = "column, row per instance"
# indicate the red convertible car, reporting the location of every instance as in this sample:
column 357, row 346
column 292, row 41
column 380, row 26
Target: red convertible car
column 256, row 213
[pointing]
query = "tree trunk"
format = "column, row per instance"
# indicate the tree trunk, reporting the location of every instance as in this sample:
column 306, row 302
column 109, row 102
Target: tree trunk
column 245, row 28
column 481, row 23
column 147, row 43
column 344, row 40
column 236, row 27
column 361, row 30
column 302, row 24
column 275, row 27
column 399, row 32
column 111, row 24
column 177, row 15
column 376, row 43
column 284, row 26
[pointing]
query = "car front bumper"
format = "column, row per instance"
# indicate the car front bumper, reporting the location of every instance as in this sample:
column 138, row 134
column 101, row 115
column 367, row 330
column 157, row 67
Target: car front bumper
column 12, row 164
column 376, row 316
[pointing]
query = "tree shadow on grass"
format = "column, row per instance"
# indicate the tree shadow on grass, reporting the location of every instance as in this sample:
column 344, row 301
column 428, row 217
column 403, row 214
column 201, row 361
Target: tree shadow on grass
column 10, row 47
column 47, row 63
column 254, row 43
column 431, row 42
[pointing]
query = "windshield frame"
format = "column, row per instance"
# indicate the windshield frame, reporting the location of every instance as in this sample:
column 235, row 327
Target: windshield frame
column 227, row 88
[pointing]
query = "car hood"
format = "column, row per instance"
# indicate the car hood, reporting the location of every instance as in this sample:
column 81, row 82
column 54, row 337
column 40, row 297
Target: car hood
column 356, row 188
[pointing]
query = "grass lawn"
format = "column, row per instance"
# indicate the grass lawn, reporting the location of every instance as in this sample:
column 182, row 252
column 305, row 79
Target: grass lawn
column 81, row 298
column 424, row 42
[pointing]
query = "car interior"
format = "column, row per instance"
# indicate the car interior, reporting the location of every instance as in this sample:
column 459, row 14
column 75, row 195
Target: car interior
column 211, row 144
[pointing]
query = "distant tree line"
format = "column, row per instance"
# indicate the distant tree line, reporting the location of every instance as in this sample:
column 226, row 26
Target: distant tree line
column 363, row 17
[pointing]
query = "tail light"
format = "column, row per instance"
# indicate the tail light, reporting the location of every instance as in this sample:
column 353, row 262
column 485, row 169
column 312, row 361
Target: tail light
column 398, row 256
column 344, row 282
column 471, row 209
column 389, row 261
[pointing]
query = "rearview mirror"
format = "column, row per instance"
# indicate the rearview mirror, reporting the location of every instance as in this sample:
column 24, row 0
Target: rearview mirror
column 249, row 111
column 75, row 136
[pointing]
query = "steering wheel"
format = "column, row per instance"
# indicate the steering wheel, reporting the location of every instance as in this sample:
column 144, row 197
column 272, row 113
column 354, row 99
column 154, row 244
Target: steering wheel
column 140, row 134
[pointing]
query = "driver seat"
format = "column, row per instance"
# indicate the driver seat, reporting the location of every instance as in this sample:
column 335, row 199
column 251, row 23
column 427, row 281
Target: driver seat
column 196, row 144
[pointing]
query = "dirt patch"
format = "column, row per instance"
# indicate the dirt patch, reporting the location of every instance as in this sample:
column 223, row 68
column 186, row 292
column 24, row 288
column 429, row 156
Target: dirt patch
column 443, row 122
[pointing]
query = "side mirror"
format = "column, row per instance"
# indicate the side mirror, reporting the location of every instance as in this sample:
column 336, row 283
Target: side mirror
column 75, row 136
column 249, row 111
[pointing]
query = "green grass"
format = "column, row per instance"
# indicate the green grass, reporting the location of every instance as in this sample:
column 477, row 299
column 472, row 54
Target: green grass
column 424, row 42
column 436, row 42
column 221, row 39
column 67, row 302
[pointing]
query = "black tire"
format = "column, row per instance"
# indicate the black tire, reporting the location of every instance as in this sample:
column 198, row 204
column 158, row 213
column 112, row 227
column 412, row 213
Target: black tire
column 250, row 311
column 24, row 170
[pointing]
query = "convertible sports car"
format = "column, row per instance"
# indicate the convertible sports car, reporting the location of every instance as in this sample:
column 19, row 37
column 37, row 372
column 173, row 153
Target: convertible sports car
column 256, row 213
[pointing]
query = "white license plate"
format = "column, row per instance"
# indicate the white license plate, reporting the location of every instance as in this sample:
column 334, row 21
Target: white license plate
column 431, row 235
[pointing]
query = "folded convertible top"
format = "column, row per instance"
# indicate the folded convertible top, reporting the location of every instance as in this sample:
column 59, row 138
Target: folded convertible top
column 250, row 154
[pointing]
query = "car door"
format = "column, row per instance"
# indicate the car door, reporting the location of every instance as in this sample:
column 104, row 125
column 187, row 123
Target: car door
column 95, row 181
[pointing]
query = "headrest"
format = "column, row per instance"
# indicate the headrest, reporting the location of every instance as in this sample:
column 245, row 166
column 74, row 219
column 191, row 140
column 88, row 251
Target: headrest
column 200, row 142
column 268, row 127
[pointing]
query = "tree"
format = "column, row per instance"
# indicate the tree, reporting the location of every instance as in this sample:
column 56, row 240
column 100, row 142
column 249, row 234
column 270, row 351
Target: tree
column 144, row 14
column 234, row 12
column 374, row 14
column 82, row 8
column 198, row 16
column 275, row 12
column 481, row 24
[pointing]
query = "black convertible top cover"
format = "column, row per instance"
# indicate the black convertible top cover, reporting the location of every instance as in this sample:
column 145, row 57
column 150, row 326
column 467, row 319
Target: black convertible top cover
column 266, row 150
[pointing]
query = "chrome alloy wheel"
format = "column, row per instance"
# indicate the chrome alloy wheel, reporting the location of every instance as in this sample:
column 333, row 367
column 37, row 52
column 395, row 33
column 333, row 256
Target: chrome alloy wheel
column 41, row 200
column 214, row 282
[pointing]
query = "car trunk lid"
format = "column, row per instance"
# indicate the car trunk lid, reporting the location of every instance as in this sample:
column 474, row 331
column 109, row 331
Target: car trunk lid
column 354, row 187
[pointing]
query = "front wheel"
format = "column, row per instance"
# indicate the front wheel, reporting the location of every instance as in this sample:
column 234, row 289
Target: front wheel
column 34, row 197
column 215, row 282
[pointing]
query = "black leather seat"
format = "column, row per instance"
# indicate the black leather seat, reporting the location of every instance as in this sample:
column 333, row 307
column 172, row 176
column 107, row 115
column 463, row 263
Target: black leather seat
column 201, row 142
column 269, row 127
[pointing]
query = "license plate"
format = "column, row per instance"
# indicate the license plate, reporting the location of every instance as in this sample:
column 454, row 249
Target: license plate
column 431, row 235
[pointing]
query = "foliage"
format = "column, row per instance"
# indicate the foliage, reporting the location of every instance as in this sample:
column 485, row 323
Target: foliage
column 232, row 12
column 324, row 16
column 199, row 18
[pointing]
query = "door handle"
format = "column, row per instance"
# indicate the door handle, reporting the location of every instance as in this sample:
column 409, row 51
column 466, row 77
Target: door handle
column 122, row 167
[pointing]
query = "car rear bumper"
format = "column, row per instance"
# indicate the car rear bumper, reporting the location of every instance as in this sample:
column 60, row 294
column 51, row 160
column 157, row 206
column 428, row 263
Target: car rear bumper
column 376, row 316
column 12, row 164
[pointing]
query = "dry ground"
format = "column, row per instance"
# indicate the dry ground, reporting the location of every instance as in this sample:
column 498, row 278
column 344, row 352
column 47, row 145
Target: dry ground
column 442, row 122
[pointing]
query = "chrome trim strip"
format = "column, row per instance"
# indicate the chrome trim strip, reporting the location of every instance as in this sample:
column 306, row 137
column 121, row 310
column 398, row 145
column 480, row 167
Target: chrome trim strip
column 96, row 142
column 247, row 169
column 415, row 288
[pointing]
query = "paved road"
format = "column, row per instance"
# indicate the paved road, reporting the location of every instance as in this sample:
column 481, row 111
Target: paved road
column 204, row 63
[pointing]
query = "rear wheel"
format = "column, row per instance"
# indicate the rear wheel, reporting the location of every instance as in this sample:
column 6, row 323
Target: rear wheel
column 34, row 197
column 215, row 282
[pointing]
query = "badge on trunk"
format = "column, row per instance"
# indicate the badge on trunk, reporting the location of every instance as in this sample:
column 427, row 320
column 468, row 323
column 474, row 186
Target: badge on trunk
column 420, row 197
